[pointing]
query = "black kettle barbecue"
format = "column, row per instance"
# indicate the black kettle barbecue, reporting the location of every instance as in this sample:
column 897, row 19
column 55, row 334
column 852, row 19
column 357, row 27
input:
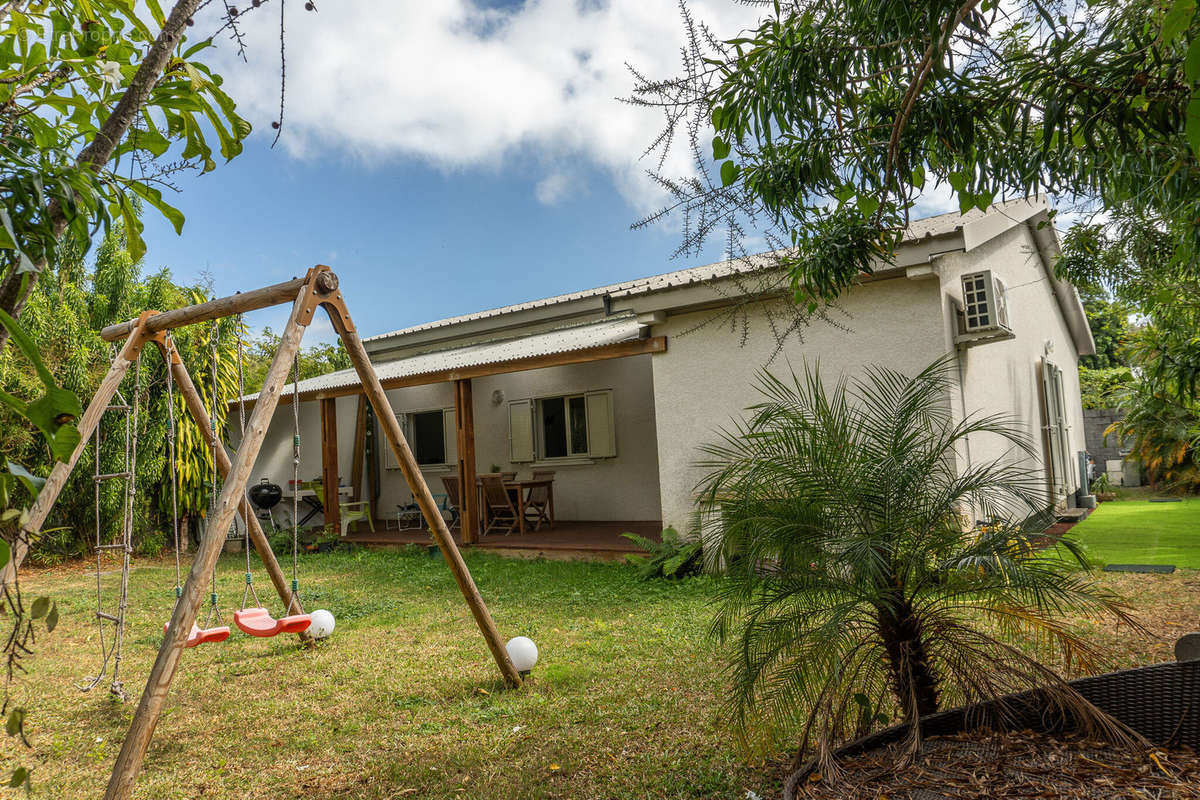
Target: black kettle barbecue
column 265, row 495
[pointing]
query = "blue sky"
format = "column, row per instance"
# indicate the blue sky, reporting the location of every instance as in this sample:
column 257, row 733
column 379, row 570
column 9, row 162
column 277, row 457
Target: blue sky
column 410, row 243
column 441, row 157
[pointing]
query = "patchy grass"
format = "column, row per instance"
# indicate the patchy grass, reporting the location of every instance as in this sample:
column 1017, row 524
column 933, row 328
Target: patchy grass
column 1142, row 532
column 404, row 700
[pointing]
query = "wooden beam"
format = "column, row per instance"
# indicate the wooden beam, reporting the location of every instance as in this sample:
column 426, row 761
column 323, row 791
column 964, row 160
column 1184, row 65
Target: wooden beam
column 57, row 479
column 360, row 443
column 635, row 347
column 420, row 490
column 154, row 696
column 468, row 498
column 329, row 464
column 195, row 406
column 213, row 309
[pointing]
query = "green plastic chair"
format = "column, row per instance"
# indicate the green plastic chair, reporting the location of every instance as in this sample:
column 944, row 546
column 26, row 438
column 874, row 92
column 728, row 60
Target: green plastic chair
column 349, row 512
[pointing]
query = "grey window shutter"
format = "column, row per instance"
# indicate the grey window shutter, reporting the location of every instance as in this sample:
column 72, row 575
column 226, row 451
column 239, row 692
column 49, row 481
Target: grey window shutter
column 520, row 431
column 602, row 436
column 450, row 434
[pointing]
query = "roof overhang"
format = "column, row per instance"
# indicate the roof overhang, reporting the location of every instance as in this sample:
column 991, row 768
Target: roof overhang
column 1044, row 235
column 619, row 337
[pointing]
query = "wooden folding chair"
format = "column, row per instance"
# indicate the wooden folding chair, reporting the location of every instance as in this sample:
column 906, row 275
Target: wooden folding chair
column 501, row 514
column 538, row 508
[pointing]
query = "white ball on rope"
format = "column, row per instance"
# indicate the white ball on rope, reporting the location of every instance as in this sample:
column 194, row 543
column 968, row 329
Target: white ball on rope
column 522, row 652
column 321, row 625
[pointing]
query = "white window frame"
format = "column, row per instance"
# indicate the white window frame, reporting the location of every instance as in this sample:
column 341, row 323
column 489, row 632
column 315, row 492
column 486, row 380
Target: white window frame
column 449, row 438
column 526, row 428
column 540, row 429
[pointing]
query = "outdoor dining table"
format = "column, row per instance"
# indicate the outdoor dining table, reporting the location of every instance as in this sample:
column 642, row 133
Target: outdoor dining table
column 521, row 488
column 309, row 498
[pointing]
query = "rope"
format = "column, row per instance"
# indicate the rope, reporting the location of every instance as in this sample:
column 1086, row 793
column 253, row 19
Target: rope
column 111, row 652
column 131, row 448
column 241, row 378
column 214, row 613
column 174, row 477
column 296, row 479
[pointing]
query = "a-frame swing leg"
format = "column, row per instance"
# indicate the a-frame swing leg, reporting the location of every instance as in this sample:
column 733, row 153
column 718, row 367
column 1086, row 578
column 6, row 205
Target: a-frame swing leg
column 87, row 425
column 195, row 405
column 154, row 696
column 416, row 483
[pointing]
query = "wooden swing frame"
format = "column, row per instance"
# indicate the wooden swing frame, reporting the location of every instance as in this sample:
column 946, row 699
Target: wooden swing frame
column 317, row 289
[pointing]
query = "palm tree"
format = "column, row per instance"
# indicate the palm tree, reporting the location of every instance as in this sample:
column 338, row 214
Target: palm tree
column 860, row 586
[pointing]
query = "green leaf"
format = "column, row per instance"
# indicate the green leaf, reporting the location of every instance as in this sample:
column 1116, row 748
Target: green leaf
column 5, row 553
column 862, row 700
column 32, row 482
column 720, row 148
column 52, row 618
column 64, row 441
column 868, row 204
column 20, row 775
column 40, row 607
column 957, row 181
column 1177, row 19
column 16, row 719
column 1191, row 65
column 918, row 177
column 717, row 114
column 1192, row 125
column 26, row 345
column 729, row 173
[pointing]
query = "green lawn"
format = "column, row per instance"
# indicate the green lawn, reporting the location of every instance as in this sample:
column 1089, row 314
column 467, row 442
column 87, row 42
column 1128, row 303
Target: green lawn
column 1141, row 532
column 404, row 700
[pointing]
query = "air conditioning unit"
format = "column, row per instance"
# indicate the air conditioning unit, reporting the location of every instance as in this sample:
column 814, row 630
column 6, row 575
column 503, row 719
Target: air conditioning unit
column 985, row 303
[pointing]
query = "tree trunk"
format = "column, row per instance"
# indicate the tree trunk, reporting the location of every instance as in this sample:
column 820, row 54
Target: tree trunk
column 913, row 678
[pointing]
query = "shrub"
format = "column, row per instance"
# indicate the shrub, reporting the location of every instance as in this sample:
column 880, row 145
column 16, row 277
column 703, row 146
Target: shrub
column 842, row 517
column 670, row 558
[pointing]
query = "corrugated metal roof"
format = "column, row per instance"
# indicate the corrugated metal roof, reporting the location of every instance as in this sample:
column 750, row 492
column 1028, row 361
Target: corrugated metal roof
column 939, row 225
column 564, row 340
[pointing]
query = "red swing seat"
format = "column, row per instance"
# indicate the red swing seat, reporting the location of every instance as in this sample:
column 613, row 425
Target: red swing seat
column 259, row 622
column 199, row 635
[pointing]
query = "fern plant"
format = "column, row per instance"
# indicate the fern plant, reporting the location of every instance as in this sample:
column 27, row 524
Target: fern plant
column 672, row 557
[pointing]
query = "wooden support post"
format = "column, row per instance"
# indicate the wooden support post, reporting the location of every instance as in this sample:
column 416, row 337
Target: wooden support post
column 195, row 405
column 329, row 465
column 87, row 425
column 416, row 483
column 154, row 696
column 360, row 444
column 464, row 413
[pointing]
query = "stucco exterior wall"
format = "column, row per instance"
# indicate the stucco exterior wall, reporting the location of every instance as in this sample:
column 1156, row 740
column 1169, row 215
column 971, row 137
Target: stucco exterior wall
column 624, row 487
column 705, row 379
column 1004, row 377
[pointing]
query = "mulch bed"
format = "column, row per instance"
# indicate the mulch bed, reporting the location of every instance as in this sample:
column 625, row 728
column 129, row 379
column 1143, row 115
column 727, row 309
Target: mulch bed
column 1012, row 765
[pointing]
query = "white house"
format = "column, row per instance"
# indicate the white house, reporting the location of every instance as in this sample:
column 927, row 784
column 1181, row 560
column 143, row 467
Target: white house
column 614, row 388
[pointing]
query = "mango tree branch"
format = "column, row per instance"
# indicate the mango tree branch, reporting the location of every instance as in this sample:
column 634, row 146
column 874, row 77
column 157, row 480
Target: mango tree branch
column 16, row 287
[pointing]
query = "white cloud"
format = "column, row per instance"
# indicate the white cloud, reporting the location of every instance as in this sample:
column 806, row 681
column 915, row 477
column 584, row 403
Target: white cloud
column 553, row 187
column 460, row 86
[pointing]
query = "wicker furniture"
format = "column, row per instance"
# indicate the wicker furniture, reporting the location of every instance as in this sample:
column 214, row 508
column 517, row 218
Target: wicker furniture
column 1161, row 702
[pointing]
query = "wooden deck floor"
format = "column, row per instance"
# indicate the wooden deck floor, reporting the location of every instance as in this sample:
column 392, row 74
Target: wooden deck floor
column 567, row 539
